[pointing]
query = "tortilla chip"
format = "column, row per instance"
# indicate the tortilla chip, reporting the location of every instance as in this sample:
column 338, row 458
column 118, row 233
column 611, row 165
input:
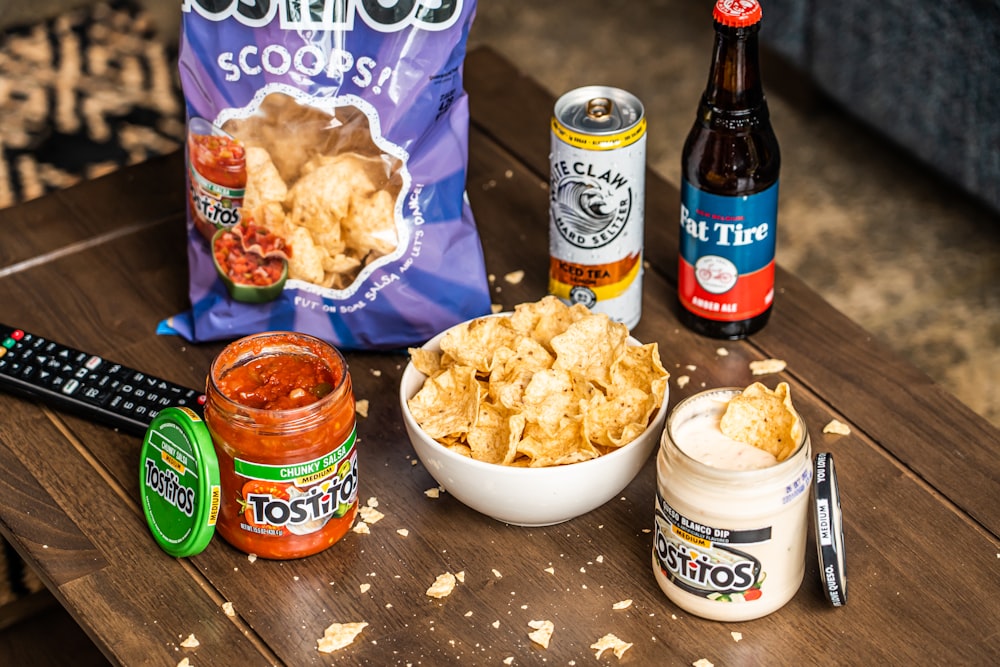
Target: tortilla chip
column 546, row 318
column 476, row 342
column 427, row 362
column 589, row 347
column 306, row 262
column 371, row 227
column 765, row 419
column 264, row 183
column 552, row 396
column 448, row 403
column 616, row 420
column 495, row 435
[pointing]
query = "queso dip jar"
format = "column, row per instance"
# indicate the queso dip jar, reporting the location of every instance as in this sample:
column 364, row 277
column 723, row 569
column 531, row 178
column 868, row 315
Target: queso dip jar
column 731, row 521
column 280, row 410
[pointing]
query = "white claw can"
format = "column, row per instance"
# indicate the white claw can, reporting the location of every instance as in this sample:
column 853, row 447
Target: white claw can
column 597, row 192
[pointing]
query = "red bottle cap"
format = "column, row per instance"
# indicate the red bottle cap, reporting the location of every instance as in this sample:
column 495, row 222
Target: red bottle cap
column 737, row 13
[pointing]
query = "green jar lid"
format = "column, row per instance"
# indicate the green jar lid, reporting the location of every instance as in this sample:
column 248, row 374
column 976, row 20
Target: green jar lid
column 179, row 482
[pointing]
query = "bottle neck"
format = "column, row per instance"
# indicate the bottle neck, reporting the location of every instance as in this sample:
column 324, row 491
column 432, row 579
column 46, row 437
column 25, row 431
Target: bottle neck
column 734, row 85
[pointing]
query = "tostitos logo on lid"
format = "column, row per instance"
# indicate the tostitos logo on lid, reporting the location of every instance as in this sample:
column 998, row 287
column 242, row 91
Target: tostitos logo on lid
column 737, row 13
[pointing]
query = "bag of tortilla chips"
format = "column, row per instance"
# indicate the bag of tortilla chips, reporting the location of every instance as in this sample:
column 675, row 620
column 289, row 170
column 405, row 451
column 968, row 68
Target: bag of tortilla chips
column 326, row 161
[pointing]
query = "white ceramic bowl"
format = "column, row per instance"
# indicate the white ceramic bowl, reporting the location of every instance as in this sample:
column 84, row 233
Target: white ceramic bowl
column 528, row 496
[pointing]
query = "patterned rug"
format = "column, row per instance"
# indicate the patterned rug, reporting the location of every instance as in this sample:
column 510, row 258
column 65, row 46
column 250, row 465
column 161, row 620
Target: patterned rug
column 81, row 95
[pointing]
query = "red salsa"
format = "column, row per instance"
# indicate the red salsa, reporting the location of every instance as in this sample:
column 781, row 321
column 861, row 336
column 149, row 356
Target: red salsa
column 219, row 158
column 279, row 383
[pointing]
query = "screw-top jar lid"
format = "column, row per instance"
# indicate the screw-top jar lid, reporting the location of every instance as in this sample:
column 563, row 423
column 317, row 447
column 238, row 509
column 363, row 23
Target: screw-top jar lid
column 737, row 13
column 179, row 482
column 829, row 530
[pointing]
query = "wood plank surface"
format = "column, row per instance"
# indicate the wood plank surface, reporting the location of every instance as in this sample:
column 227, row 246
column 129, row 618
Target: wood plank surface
column 922, row 553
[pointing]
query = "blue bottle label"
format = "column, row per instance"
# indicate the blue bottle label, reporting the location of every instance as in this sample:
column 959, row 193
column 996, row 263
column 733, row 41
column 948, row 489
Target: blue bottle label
column 727, row 244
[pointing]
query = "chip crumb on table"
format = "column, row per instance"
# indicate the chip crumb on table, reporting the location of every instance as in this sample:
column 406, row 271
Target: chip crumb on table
column 837, row 427
column 541, row 632
column 338, row 635
column 702, row 662
column 442, row 586
column 737, row 636
column 624, row 604
column 361, row 407
column 370, row 515
column 228, row 609
column 612, row 643
column 191, row 642
column 514, row 277
column 767, row 366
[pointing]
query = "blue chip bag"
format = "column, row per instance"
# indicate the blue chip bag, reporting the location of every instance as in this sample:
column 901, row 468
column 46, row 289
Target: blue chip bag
column 326, row 163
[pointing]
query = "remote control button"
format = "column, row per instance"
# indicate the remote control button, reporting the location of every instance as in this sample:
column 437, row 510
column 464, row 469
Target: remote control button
column 94, row 395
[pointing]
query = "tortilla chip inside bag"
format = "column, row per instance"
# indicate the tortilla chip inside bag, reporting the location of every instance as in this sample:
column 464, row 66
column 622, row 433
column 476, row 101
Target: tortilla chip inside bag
column 547, row 385
column 764, row 419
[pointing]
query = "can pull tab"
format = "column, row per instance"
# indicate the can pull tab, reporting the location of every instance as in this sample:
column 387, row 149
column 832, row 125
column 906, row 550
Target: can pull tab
column 599, row 109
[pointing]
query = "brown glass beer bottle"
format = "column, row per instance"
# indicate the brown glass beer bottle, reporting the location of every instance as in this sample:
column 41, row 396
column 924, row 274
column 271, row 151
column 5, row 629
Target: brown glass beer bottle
column 729, row 188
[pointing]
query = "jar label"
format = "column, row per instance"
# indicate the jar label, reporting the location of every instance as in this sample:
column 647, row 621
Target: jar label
column 727, row 245
column 298, row 498
column 703, row 560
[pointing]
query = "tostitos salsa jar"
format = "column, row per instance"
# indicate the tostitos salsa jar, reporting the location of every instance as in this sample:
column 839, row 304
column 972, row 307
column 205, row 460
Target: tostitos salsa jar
column 217, row 177
column 280, row 410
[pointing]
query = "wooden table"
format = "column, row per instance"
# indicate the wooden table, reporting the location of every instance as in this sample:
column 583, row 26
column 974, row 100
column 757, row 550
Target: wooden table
column 97, row 266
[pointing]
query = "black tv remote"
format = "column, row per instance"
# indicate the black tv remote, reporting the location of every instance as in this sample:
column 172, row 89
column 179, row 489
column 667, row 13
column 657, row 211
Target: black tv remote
column 86, row 384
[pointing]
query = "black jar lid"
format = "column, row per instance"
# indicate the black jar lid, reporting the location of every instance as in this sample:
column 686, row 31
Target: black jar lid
column 829, row 530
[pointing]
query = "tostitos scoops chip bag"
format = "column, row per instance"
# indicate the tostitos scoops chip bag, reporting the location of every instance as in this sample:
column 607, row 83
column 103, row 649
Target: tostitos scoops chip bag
column 326, row 164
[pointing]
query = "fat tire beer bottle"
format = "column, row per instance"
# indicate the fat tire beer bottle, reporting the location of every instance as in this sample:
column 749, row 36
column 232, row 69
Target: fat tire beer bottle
column 729, row 188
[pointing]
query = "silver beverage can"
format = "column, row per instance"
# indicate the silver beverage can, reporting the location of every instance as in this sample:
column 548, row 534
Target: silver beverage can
column 597, row 192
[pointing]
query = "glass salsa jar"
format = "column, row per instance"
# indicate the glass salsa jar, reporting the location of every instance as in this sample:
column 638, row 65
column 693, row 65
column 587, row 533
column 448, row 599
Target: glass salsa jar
column 280, row 409
column 217, row 177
